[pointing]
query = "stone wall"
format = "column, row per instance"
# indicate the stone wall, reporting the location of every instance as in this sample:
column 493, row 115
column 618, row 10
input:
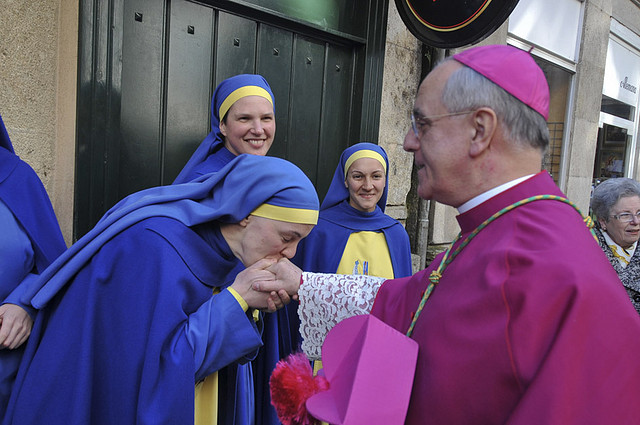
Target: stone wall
column 38, row 44
column 586, row 108
column 402, row 70
column 399, row 86
column 28, row 72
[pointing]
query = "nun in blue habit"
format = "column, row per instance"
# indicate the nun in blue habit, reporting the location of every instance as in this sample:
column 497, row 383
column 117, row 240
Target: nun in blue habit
column 138, row 316
column 243, row 121
column 226, row 139
column 351, row 237
column 31, row 240
column 354, row 235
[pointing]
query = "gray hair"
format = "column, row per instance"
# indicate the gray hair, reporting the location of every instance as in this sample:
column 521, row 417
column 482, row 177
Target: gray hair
column 607, row 193
column 467, row 89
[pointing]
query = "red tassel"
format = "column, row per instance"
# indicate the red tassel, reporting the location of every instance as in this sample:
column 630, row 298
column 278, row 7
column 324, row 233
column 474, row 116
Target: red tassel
column 292, row 383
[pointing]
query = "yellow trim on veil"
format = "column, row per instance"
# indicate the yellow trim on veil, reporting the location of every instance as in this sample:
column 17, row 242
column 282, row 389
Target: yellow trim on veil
column 365, row 153
column 238, row 94
column 290, row 215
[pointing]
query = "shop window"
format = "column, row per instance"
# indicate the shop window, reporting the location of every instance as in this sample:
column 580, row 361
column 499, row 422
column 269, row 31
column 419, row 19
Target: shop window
column 559, row 80
column 617, row 147
column 616, row 108
column 611, row 155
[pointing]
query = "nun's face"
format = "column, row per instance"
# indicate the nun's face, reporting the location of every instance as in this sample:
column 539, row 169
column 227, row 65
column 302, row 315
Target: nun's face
column 365, row 182
column 249, row 126
column 267, row 238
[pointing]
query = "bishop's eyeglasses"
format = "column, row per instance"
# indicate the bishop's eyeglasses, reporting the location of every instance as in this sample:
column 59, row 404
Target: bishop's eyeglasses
column 418, row 123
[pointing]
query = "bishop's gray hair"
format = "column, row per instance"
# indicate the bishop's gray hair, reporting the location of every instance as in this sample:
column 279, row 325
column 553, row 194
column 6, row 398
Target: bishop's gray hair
column 467, row 89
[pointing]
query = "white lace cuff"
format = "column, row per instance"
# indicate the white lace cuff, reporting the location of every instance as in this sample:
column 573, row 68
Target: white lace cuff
column 326, row 299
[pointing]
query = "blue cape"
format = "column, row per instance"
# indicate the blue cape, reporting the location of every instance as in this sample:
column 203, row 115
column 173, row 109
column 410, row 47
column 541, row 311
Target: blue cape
column 211, row 155
column 23, row 193
column 114, row 340
column 114, row 345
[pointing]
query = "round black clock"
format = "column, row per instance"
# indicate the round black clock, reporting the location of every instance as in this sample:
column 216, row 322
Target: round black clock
column 453, row 23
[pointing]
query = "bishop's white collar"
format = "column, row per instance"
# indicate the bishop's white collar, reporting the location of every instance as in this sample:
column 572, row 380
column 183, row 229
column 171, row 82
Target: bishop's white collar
column 474, row 202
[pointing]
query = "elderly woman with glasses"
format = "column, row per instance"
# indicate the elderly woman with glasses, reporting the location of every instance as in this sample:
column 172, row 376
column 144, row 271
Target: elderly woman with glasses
column 616, row 205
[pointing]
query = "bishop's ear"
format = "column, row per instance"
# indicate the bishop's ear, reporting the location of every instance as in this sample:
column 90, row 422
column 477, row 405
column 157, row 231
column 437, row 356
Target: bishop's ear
column 485, row 123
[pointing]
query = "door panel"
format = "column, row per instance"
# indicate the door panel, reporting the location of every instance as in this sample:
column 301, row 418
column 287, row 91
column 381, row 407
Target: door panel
column 307, row 82
column 273, row 58
column 188, row 83
column 235, row 50
column 138, row 159
column 337, row 113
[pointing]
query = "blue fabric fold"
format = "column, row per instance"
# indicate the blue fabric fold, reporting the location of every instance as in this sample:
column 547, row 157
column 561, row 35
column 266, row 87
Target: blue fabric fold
column 32, row 233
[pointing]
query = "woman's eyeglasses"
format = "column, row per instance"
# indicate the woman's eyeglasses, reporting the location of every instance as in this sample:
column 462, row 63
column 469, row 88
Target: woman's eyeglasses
column 627, row 217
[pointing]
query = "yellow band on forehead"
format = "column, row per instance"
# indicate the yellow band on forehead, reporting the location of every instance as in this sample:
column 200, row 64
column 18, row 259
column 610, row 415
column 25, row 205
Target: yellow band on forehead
column 239, row 93
column 364, row 154
column 290, row 215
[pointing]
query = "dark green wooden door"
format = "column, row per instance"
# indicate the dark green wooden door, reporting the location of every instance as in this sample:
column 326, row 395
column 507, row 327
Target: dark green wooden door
column 148, row 69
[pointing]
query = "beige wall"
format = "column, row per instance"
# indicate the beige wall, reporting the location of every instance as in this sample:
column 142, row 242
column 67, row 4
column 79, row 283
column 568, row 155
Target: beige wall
column 66, row 110
column 37, row 91
column 586, row 108
column 400, row 83
column 627, row 12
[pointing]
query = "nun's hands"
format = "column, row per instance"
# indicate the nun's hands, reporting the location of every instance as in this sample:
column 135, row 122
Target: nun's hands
column 287, row 279
column 15, row 326
column 255, row 276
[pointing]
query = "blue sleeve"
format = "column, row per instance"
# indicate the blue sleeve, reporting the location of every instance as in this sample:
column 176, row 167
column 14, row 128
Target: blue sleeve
column 16, row 296
column 220, row 333
column 400, row 250
column 16, row 253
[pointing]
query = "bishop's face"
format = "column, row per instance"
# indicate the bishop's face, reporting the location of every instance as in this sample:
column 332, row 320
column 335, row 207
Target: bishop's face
column 440, row 148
